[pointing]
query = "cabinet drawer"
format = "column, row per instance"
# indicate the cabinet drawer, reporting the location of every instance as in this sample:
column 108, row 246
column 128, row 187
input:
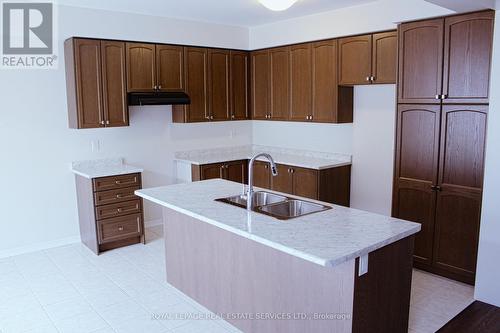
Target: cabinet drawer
column 114, row 196
column 118, row 209
column 115, row 182
column 119, row 228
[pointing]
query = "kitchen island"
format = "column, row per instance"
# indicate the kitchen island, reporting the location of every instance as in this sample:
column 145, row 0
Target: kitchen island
column 339, row 270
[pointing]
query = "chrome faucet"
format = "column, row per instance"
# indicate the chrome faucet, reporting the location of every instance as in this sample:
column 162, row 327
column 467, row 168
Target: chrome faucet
column 274, row 172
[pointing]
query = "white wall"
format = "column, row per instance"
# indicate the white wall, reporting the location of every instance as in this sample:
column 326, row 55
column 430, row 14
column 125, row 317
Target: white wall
column 38, row 200
column 309, row 136
column 488, row 268
column 373, row 148
column 374, row 16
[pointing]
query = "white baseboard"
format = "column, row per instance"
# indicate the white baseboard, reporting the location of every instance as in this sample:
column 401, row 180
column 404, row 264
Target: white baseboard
column 39, row 246
column 153, row 223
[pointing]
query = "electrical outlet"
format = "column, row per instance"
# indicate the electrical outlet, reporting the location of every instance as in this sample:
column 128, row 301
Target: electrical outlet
column 95, row 146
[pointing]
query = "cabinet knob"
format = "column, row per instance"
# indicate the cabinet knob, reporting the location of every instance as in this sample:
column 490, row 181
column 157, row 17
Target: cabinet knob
column 232, row 116
column 107, row 122
column 119, row 196
column 159, row 87
column 372, row 78
column 118, row 182
column 120, row 228
column 368, row 78
column 438, row 96
column 119, row 210
column 102, row 122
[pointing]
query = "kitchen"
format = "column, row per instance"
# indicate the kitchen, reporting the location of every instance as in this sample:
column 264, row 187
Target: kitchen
column 167, row 144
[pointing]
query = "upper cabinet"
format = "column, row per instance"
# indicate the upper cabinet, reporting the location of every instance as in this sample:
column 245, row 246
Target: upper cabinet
column 368, row 59
column 279, row 63
column 153, row 67
column 355, row 54
column 468, row 44
column 218, row 85
column 196, row 71
column 170, row 68
column 239, row 84
column 446, row 60
column 96, row 84
column 260, row 87
column 301, row 82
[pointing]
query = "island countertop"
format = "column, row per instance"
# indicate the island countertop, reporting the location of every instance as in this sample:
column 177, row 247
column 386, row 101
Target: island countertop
column 326, row 238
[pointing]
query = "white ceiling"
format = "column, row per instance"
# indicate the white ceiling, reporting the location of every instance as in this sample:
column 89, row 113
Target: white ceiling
column 246, row 13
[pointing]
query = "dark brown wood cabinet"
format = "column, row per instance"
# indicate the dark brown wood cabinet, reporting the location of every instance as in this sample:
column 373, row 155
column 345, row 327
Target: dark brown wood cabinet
column 110, row 215
column 170, row 67
column 141, row 68
column 468, row 42
column 325, row 82
column 368, row 59
column 355, row 54
column 438, row 183
column 152, row 67
column 234, row 171
column 261, row 174
column 446, row 60
column 283, row 181
column 384, row 57
column 196, row 80
column 218, row 84
column 260, row 87
column 279, row 63
column 301, row 71
column 239, row 85
column 96, row 86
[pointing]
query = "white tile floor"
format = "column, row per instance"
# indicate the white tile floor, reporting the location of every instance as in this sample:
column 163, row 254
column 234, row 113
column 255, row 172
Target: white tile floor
column 69, row 289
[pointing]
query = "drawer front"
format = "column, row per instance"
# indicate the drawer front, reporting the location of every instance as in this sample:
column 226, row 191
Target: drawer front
column 118, row 209
column 115, row 182
column 119, row 228
column 114, row 196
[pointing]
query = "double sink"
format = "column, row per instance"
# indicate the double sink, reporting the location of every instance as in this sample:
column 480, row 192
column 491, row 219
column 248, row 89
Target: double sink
column 275, row 205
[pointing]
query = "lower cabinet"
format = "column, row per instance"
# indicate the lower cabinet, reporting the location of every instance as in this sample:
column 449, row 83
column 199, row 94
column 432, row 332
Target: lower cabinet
column 330, row 185
column 110, row 214
column 235, row 171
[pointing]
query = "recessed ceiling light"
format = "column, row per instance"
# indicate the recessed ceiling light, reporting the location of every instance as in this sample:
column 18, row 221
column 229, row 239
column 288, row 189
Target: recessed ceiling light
column 277, row 5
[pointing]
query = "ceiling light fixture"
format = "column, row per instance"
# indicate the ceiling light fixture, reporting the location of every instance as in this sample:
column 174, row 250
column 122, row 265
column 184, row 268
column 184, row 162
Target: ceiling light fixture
column 277, row 5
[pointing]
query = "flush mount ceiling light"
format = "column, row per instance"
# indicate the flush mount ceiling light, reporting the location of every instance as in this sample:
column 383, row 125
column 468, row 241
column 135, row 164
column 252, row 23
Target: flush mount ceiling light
column 277, row 5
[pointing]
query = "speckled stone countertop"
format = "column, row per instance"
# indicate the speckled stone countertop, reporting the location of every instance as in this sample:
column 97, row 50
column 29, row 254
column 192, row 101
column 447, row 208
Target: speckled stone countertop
column 103, row 168
column 327, row 238
column 295, row 157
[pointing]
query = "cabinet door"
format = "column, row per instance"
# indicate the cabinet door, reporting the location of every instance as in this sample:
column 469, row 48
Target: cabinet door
column 417, row 159
column 89, row 83
column 384, row 57
column 196, row 71
column 305, row 182
column 218, row 84
column 260, row 85
column 280, row 83
column 355, row 54
column 211, row 171
column 262, row 174
column 463, row 130
column 301, row 82
column 235, row 171
column 239, row 85
column 420, row 61
column 283, row 182
column 114, row 83
column 324, row 81
column 467, row 57
column 141, row 73
column 170, row 67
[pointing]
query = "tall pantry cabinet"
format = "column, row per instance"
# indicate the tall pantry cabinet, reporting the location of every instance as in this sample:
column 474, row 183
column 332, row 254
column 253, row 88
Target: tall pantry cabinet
column 443, row 91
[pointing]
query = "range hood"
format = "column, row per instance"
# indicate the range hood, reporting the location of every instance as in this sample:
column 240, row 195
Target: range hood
column 158, row 98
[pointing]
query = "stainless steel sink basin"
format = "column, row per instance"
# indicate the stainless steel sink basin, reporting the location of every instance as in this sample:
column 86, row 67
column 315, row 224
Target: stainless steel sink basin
column 292, row 208
column 276, row 205
column 260, row 198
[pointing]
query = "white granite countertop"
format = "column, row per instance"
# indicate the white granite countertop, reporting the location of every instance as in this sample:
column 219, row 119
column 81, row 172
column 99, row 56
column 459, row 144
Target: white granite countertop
column 294, row 157
column 327, row 238
column 103, row 168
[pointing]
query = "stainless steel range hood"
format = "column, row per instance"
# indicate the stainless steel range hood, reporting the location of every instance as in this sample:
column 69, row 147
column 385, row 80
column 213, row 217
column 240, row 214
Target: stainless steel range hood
column 158, row 98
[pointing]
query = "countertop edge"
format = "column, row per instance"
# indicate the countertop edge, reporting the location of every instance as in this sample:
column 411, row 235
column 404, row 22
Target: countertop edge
column 106, row 174
column 280, row 247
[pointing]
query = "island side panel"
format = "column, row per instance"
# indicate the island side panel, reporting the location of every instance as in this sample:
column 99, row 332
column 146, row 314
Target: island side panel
column 230, row 274
column 382, row 295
